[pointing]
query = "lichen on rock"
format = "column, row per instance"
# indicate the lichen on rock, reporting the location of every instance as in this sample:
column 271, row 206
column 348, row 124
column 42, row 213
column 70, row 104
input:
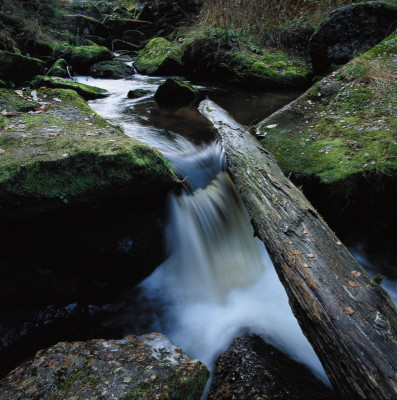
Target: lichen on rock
column 136, row 367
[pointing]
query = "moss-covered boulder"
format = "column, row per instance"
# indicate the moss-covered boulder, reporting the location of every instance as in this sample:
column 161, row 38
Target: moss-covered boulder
column 342, row 130
column 137, row 93
column 59, row 69
column 86, row 91
column 110, row 69
column 350, row 31
column 84, row 26
column 117, row 26
column 143, row 367
column 83, row 57
column 175, row 92
column 160, row 57
column 62, row 153
column 213, row 58
column 18, row 68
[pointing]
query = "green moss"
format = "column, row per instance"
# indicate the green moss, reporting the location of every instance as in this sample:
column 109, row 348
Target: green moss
column 83, row 57
column 87, row 91
column 110, row 69
column 342, row 127
column 137, row 93
column 59, row 68
column 159, row 57
column 69, row 149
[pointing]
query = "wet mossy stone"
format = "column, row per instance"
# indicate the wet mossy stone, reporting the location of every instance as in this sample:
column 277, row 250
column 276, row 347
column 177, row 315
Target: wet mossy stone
column 142, row 367
column 68, row 155
column 86, row 91
column 18, row 68
column 160, row 57
column 110, row 69
column 175, row 91
column 349, row 31
column 342, row 130
column 59, row 69
column 137, row 93
column 83, row 57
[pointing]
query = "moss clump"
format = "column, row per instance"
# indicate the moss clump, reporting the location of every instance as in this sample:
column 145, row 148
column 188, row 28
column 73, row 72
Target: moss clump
column 59, row 68
column 159, row 57
column 18, row 68
column 88, row 92
column 344, row 126
column 68, row 154
column 83, row 57
column 110, row 69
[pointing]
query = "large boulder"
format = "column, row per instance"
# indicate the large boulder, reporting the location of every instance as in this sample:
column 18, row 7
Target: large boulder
column 86, row 26
column 160, row 57
column 350, row 31
column 175, row 92
column 206, row 57
column 86, row 91
column 83, row 57
column 18, row 68
column 143, row 367
column 110, row 69
column 252, row 369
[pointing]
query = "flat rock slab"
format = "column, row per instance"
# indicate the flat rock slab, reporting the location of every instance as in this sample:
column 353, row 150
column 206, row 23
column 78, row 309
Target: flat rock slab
column 144, row 367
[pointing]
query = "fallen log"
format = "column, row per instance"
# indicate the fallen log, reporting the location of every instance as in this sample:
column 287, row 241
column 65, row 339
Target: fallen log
column 346, row 315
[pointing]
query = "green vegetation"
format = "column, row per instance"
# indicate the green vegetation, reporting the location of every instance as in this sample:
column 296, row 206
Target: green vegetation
column 110, row 69
column 159, row 57
column 344, row 126
column 83, row 57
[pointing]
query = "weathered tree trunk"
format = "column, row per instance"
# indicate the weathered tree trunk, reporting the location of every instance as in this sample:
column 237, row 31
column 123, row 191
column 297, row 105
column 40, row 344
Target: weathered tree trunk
column 348, row 318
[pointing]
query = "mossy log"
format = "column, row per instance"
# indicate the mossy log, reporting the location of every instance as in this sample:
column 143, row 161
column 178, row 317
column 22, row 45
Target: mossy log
column 348, row 318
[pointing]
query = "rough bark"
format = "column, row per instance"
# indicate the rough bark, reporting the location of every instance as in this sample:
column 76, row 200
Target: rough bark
column 348, row 318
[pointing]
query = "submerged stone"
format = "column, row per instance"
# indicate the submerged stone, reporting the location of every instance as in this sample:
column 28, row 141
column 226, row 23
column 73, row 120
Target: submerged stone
column 160, row 57
column 252, row 369
column 175, row 91
column 136, row 367
column 86, row 91
column 110, row 69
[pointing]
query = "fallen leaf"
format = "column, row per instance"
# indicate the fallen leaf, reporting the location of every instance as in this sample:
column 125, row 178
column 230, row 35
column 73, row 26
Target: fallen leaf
column 179, row 351
column 305, row 232
column 56, row 99
column 43, row 88
column 19, row 93
column 271, row 126
column 290, row 242
column 356, row 273
column 348, row 310
column 297, row 252
column 2, row 151
column 33, row 93
column 339, row 243
column 307, row 265
column 351, row 283
column 310, row 255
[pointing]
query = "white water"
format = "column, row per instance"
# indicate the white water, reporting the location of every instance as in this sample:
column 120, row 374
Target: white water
column 218, row 281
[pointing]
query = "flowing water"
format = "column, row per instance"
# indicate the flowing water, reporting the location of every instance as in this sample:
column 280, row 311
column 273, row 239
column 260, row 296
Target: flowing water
column 218, row 280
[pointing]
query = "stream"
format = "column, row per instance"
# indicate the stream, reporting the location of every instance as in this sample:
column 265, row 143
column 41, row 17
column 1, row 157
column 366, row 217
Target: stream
column 218, row 280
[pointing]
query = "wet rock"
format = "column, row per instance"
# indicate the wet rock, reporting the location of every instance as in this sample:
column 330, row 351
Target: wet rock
column 252, row 369
column 86, row 91
column 117, row 26
column 175, row 91
column 110, row 69
column 83, row 57
column 137, row 93
column 349, row 31
column 160, row 57
column 123, row 45
column 18, row 68
column 134, row 36
column 144, row 367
